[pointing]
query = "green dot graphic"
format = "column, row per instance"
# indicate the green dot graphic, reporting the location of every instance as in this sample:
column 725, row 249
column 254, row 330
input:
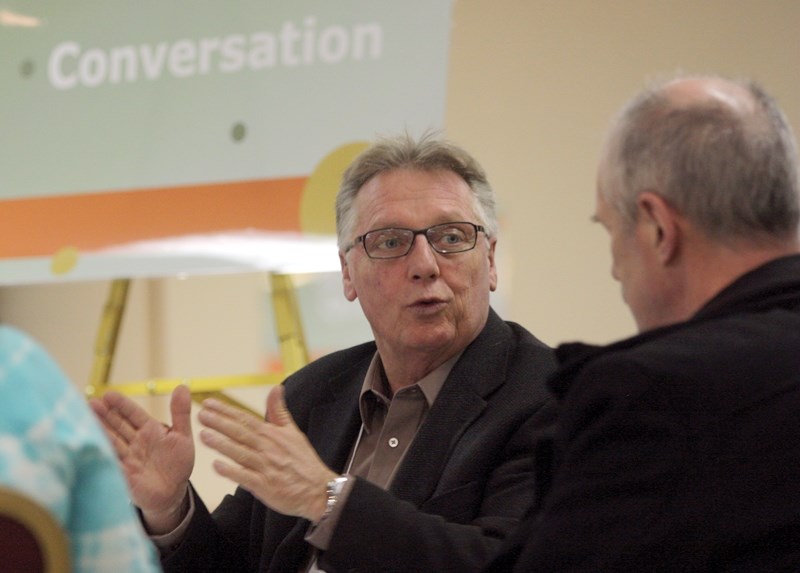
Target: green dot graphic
column 238, row 132
column 26, row 68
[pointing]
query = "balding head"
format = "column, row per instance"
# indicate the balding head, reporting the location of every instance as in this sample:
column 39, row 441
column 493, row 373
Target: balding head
column 719, row 151
column 689, row 92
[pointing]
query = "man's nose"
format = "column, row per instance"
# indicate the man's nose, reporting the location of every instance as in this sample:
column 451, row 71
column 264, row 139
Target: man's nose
column 422, row 261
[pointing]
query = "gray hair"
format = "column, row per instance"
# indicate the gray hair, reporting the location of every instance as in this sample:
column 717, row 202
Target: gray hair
column 425, row 154
column 733, row 174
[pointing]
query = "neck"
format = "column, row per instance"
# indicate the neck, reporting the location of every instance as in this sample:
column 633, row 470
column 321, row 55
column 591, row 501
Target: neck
column 712, row 268
column 402, row 371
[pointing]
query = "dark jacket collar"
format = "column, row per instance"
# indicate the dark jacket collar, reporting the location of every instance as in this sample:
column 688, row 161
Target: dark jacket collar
column 775, row 284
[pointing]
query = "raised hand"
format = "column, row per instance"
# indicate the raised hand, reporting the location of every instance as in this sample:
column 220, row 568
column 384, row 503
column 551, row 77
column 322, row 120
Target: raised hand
column 157, row 459
column 271, row 459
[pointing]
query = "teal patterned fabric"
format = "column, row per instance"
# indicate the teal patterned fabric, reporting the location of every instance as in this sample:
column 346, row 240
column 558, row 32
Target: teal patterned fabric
column 53, row 449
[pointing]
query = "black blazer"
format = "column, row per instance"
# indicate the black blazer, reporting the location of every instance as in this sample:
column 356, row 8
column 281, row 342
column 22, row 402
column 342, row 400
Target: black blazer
column 679, row 449
column 463, row 486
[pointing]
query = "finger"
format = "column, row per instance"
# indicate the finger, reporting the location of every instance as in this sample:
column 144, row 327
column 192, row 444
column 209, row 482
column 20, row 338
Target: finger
column 235, row 415
column 120, row 446
column 252, row 481
column 231, row 449
column 129, row 410
column 180, row 407
column 234, row 423
column 101, row 412
column 277, row 412
column 113, row 424
column 224, row 409
column 233, row 473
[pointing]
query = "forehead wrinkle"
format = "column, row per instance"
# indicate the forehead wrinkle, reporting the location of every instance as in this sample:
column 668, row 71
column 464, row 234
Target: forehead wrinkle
column 413, row 206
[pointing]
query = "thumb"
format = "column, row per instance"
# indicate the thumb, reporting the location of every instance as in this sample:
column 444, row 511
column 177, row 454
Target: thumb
column 180, row 407
column 277, row 413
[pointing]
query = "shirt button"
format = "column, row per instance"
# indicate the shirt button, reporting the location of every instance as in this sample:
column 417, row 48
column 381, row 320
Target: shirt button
column 393, row 442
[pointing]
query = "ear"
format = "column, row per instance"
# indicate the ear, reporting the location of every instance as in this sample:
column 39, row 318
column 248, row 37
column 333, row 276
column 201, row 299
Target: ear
column 658, row 223
column 347, row 282
column 492, row 267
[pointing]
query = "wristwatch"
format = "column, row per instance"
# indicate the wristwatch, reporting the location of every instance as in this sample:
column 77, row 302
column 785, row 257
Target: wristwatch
column 334, row 489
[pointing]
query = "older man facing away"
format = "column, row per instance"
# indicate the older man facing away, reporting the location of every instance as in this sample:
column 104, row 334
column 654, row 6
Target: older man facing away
column 679, row 449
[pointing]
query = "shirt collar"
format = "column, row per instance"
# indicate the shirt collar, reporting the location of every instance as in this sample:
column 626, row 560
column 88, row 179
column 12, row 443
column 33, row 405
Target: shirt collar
column 375, row 386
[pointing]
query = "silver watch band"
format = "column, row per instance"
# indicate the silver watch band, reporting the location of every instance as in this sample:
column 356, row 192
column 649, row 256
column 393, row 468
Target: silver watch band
column 334, row 489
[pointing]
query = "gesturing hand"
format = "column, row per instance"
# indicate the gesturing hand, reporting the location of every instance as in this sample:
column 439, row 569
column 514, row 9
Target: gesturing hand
column 272, row 459
column 157, row 460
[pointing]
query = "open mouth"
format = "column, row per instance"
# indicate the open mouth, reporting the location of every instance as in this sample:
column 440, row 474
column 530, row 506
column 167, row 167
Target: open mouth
column 429, row 304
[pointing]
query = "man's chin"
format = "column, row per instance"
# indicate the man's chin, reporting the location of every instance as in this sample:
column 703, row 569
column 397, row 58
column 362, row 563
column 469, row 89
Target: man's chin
column 431, row 336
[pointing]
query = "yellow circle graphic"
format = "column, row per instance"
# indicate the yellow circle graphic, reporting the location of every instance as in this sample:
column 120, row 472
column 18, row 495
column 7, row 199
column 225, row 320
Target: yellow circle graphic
column 64, row 260
column 319, row 194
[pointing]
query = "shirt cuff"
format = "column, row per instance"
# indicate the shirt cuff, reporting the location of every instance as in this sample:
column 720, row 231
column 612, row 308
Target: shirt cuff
column 320, row 535
column 168, row 543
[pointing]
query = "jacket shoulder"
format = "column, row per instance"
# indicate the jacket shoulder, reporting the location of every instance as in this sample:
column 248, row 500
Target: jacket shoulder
column 529, row 353
column 327, row 376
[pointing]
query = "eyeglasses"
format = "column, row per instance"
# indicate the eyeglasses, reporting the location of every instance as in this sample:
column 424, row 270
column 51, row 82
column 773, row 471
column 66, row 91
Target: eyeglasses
column 393, row 243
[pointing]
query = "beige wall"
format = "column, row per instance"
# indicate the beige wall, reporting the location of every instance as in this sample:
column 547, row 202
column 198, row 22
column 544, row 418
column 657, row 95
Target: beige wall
column 532, row 87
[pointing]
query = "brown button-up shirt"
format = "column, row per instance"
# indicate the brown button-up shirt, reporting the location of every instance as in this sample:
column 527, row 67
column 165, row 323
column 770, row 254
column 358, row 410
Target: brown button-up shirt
column 388, row 426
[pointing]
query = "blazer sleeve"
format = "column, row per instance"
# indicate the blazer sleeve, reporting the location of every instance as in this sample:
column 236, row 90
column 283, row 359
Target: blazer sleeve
column 204, row 548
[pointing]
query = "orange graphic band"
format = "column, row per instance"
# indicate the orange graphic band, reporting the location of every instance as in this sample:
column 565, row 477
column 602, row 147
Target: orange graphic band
column 39, row 227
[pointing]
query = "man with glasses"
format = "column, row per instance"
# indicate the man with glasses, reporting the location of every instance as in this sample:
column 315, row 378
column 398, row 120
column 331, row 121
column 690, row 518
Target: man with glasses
column 414, row 452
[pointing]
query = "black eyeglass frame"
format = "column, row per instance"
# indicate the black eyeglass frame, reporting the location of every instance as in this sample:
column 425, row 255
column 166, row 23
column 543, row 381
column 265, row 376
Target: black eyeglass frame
column 415, row 232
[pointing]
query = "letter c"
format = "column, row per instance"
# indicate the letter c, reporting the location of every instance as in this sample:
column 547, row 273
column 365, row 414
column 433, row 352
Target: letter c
column 57, row 79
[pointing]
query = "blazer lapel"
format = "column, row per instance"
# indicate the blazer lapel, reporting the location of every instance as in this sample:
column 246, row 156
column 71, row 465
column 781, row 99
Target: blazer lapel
column 333, row 425
column 480, row 370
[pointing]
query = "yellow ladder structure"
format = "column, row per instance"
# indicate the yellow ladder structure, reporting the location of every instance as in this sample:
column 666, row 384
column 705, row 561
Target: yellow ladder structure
column 292, row 348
